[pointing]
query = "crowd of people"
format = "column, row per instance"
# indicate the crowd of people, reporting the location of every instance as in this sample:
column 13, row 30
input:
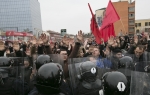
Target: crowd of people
column 38, row 67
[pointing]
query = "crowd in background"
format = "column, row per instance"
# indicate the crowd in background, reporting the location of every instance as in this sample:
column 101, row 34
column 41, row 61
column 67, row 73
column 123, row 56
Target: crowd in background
column 107, row 53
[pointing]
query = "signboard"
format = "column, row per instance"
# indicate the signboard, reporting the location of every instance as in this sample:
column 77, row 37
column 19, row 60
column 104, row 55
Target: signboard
column 63, row 32
column 13, row 33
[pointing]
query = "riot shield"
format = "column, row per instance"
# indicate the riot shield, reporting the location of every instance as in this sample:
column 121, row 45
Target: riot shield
column 140, row 79
column 17, row 67
column 85, row 75
column 140, row 83
column 14, row 75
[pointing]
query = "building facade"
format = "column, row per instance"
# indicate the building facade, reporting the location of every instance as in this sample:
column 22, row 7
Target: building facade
column 142, row 25
column 54, row 36
column 131, row 18
column 126, row 12
column 20, row 15
column 100, row 15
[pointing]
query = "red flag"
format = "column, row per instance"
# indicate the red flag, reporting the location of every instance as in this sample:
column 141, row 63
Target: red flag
column 111, row 16
column 94, row 27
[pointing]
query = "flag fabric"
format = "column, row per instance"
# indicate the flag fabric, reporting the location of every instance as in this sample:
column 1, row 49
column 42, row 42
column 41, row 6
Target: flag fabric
column 107, row 32
column 94, row 27
column 111, row 16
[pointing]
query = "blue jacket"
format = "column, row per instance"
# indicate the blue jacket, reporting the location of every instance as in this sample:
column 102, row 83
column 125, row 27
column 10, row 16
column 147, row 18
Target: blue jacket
column 103, row 63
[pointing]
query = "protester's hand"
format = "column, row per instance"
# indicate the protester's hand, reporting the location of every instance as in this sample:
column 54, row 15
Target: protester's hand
column 102, row 41
column 111, row 40
column 20, row 41
column 16, row 46
column 65, row 40
column 80, row 37
column 7, row 51
column 61, row 43
column 44, row 38
column 40, row 41
column 52, row 45
column 147, row 36
column 85, row 43
column 2, row 46
column 117, row 40
column 135, row 39
column 115, row 44
column 71, row 41
column 33, row 41
column 69, row 47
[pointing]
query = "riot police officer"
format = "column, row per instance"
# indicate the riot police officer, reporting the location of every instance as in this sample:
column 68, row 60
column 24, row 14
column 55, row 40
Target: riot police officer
column 49, row 79
column 40, row 61
column 10, row 85
column 114, row 83
column 89, row 84
column 126, row 65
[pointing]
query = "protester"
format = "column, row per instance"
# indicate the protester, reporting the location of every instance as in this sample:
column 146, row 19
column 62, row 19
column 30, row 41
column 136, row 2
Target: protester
column 105, row 55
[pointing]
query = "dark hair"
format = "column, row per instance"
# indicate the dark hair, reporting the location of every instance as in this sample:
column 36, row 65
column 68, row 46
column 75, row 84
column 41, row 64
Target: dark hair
column 116, row 50
column 141, row 47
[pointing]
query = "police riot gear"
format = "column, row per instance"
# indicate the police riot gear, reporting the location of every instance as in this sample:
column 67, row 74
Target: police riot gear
column 49, row 78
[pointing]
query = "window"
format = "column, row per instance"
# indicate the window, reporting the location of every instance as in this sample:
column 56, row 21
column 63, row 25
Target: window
column 99, row 21
column 147, row 29
column 131, row 9
column 146, row 23
column 139, row 24
column 137, row 31
column 131, row 15
column 131, row 22
column 135, row 24
column 131, row 29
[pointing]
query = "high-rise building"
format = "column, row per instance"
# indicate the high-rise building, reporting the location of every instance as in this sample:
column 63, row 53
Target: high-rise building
column 126, row 11
column 20, row 15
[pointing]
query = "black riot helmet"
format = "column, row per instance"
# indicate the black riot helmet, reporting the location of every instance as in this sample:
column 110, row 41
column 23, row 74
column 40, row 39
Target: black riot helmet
column 114, row 83
column 42, row 59
column 49, row 78
column 88, row 71
column 125, row 62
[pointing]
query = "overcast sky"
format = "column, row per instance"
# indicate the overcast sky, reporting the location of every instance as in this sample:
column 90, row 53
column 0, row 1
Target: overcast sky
column 74, row 15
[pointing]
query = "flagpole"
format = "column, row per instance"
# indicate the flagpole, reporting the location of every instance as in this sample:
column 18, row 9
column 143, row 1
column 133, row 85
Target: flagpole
column 123, row 25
